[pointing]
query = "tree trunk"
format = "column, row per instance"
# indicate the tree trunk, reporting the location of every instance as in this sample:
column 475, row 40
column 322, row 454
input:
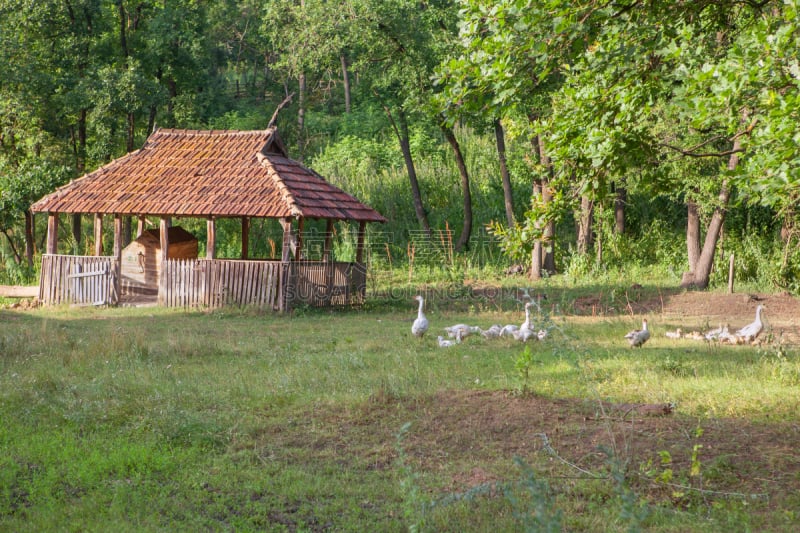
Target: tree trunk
column 131, row 131
column 151, row 119
column 699, row 272
column 620, row 199
column 80, row 159
column 536, row 253
column 401, row 130
column 466, row 231
column 548, row 257
column 301, row 114
column 345, row 83
column 508, row 198
column 585, row 237
column 29, row 243
column 692, row 238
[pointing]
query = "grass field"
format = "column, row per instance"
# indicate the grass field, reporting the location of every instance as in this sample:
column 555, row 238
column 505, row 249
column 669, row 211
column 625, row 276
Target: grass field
column 164, row 420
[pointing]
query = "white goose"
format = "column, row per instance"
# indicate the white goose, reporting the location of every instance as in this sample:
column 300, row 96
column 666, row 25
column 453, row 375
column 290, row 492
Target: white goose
column 752, row 330
column 525, row 334
column 460, row 331
column 420, row 325
column 508, row 330
column 638, row 337
column 718, row 334
column 527, row 323
column 444, row 343
column 493, row 332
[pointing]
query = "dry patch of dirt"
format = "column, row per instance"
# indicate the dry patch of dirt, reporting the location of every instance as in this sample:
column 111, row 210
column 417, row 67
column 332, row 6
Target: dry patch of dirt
column 470, row 437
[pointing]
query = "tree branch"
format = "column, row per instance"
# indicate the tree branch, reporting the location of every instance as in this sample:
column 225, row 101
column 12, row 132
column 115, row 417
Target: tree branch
column 689, row 153
column 277, row 109
column 691, row 150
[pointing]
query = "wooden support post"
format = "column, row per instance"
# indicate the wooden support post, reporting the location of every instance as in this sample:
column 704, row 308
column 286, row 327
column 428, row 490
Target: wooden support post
column 730, row 275
column 117, row 261
column 245, row 236
column 52, row 233
column 140, row 226
column 118, row 236
column 362, row 229
column 211, row 238
column 98, row 234
column 326, row 250
column 298, row 253
column 286, row 245
column 163, row 235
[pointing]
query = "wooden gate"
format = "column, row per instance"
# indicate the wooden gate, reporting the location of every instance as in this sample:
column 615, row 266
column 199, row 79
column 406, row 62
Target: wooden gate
column 77, row 280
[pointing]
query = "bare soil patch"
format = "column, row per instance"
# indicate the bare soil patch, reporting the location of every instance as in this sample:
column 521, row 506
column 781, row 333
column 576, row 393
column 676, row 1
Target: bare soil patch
column 470, row 438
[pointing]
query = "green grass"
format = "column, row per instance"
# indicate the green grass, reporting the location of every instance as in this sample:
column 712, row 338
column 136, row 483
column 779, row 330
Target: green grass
column 154, row 419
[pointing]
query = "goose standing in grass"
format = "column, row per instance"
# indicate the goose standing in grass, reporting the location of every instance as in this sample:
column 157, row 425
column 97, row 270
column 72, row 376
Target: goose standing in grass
column 527, row 323
column 420, row 325
column 461, row 331
column 638, row 337
column 752, row 330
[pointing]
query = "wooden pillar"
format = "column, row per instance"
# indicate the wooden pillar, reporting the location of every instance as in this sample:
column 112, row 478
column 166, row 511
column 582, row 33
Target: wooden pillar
column 286, row 245
column 211, row 238
column 117, row 261
column 118, row 237
column 326, row 250
column 298, row 253
column 362, row 227
column 52, row 233
column 98, row 234
column 163, row 235
column 245, row 236
column 140, row 226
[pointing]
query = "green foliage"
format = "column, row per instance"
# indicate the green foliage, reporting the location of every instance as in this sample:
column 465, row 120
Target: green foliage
column 523, row 364
column 535, row 508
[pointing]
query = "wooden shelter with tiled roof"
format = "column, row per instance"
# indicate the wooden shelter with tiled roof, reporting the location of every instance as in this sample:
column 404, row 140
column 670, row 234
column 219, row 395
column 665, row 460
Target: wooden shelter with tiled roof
column 211, row 175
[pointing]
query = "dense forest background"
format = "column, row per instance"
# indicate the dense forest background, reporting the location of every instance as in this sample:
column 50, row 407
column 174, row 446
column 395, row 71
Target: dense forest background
column 646, row 137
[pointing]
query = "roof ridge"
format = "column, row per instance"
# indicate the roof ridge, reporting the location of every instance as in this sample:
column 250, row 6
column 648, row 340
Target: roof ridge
column 286, row 193
column 208, row 133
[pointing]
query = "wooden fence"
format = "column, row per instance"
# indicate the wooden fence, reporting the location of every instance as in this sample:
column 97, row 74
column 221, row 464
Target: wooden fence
column 274, row 285
column 271, row 285
column 77, row 280
column 220, row 282
column 321, row 284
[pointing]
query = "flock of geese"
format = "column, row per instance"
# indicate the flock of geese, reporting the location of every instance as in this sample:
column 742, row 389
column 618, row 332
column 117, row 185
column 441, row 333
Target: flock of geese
column 525, row 331
column 746, row 335
column 458, row 332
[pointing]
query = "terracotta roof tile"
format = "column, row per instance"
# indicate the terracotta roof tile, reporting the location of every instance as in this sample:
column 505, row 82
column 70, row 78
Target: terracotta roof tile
column 204, row 173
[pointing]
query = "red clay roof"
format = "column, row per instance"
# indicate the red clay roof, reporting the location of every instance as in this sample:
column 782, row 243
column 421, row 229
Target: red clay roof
column 207, row 173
